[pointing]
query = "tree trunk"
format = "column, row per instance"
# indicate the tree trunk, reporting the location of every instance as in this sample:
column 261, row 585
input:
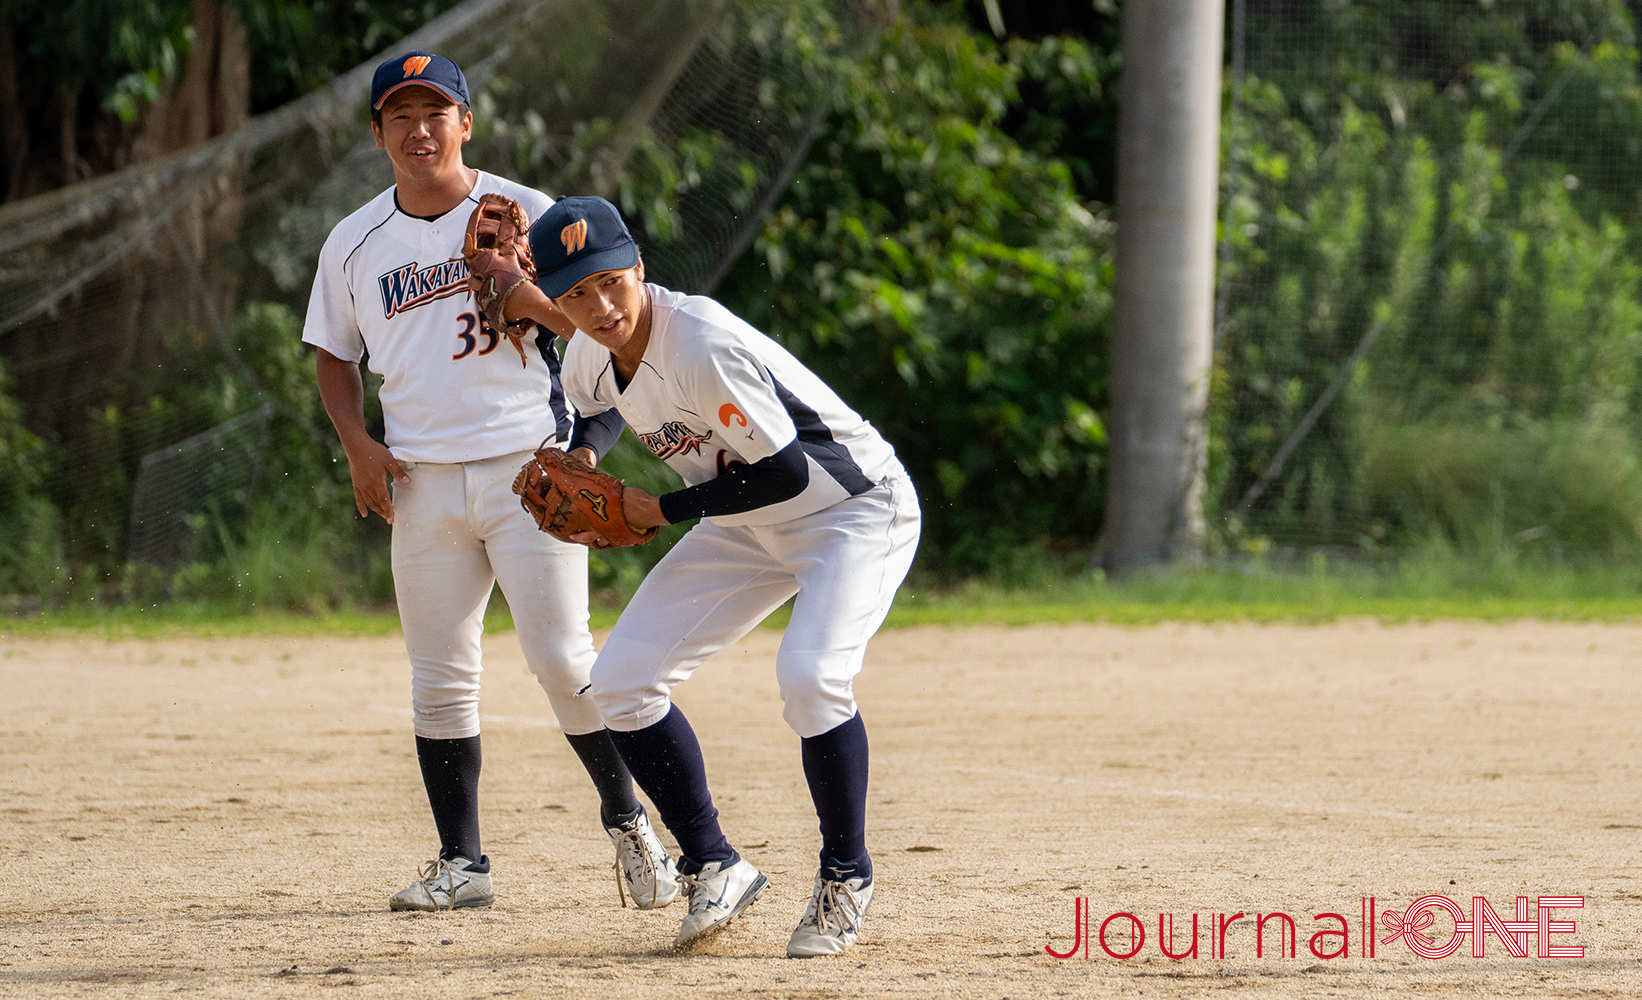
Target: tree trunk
column 213, row 97
column 186, row 280
column 68, row 132
column 14, row 131
column 231, row 99
column 1168, row 152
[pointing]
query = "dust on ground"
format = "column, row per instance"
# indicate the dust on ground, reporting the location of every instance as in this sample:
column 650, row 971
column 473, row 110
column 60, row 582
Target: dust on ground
column 228, row 817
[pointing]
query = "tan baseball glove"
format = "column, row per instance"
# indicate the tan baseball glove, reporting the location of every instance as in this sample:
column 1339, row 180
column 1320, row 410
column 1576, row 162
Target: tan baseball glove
column 497, row 251
column 566, row 496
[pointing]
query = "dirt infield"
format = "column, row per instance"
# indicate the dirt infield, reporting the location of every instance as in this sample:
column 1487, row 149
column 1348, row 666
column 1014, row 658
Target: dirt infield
column 228, row 817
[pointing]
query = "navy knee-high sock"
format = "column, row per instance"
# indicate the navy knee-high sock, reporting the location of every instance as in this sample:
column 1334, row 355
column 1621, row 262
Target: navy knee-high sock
column 835, row 764
column 450, row 772
column 609, row 774
column 666, row 761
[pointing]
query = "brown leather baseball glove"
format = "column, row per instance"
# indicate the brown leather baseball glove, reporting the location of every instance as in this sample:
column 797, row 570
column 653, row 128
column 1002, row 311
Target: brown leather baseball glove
column 497, row 251
column 566, row 495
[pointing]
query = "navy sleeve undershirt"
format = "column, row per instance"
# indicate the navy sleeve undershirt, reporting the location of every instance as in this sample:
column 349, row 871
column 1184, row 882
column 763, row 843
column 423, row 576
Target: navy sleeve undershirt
column 598, row 432
column 741, row 488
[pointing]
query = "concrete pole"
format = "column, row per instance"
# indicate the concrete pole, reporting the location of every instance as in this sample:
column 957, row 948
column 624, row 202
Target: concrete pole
column 1162, row 335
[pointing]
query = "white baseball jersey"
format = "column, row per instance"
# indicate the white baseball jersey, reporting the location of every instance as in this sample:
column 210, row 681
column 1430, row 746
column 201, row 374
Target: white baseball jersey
column 713, row 392
column 395, row 287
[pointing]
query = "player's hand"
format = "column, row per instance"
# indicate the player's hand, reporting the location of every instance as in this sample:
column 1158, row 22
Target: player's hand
column 587, row 455
column 369, row 464
column 530, row 302
column 641, row 509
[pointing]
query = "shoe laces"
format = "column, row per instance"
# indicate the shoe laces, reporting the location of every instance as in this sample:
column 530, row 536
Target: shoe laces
column 836, row 908
column 695, row 889
column 431, row 873
column 634, row 840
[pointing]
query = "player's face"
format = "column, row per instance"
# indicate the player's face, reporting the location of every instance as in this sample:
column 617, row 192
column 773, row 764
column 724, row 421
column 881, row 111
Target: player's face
column 612, row 308
column 423, row 132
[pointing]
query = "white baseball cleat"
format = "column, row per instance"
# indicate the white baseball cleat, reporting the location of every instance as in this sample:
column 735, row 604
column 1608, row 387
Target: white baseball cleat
column 446, row 885
column 832, row 921
column 643, row 869
column 717, row 893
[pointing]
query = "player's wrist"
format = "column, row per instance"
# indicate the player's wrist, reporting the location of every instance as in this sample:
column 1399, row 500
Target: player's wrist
column 526, row 302
column 642, row 510
column 360, row 446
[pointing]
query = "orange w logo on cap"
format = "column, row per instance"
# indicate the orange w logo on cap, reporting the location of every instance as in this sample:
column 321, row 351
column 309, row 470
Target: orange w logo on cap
column 416, row 64
column 574, row 236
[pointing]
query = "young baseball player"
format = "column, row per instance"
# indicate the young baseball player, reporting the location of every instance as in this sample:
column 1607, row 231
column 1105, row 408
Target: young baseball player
column 798, row 495
column 462, row 410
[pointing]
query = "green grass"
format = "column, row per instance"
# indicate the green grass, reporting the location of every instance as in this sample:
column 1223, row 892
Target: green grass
column 1227, row 597
column 194, row 618
column 204, row 619
column 1417, row 588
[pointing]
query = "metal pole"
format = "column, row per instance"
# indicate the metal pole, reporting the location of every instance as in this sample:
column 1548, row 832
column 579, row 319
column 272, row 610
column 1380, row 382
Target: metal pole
column 1167, row 182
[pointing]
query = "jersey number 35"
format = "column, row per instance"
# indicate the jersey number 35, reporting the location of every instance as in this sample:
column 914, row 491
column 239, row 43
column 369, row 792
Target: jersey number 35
column 470, row 322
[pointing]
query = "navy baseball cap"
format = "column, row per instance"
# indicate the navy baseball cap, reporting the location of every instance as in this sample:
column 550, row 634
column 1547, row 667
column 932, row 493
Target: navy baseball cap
column 577, row 238
column 422, row 69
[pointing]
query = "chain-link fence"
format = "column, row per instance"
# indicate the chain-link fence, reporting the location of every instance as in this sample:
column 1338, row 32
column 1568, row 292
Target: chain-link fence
column 182, row 490
column 1430, row 320
column 1429, row 308
column 690, row 114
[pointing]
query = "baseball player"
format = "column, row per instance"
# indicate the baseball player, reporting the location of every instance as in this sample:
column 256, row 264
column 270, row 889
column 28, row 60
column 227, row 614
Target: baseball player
column 462, row 410
column 798, row 495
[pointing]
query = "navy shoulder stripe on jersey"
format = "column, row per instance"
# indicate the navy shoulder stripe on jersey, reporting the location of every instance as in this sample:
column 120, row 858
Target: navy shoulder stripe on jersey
column 598, row 379
column 817, row 440
column 561, row 409
column 367, row 235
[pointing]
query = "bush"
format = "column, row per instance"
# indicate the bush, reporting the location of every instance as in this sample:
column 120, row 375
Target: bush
column 1393, row 187
column 1558, row 487
column 949, row 285
column 31, row 550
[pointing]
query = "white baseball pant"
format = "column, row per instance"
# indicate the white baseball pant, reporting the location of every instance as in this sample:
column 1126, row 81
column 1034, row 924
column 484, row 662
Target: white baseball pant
column 457, row 529
column 845, row 563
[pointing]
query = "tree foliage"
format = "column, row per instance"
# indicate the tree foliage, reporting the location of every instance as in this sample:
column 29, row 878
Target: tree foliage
column 949, row 284
column 86, row 70
column 296, row 47
column 1461, row 179
column 31, row 557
